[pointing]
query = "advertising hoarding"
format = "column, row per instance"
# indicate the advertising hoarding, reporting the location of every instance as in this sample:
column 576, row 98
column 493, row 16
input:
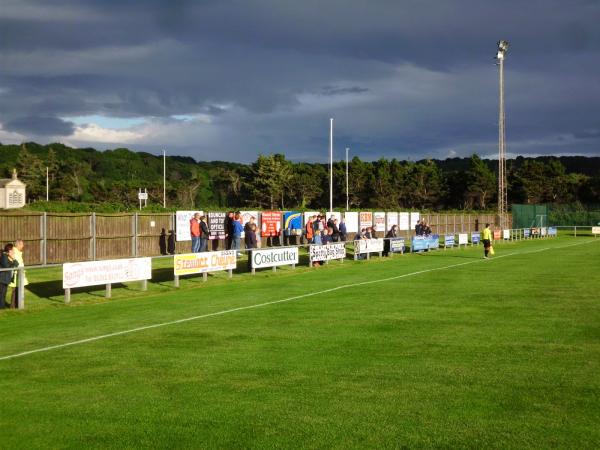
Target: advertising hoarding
column 273, row 257
column 327, row 252
column 94, row 273
column 191, row 263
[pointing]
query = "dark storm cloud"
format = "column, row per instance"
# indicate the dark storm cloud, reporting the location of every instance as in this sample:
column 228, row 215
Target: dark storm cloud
column 402, row 78
column 40, row 126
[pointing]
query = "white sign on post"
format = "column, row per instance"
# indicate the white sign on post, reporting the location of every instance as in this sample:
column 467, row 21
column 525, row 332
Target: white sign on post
column 368, row 246
column 94, row 273
column 273, row 257
column 379, row 221
column 182, row 224
column 392, row 219
column 351, row 220
column 327, row 252
column 414, row 218
column 506, row 234
column 595, row 230
column 463, row 239
column 404, row 221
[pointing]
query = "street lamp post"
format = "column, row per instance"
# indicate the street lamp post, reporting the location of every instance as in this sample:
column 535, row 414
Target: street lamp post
column 347, row 191
column 502, row 185
column 330, row 165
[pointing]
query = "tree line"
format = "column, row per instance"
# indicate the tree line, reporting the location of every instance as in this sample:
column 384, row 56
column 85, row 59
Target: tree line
column 113, row 177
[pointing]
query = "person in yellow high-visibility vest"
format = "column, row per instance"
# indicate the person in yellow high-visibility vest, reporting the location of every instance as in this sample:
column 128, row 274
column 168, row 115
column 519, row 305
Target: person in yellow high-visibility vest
column 18, row 251
column 487, row 240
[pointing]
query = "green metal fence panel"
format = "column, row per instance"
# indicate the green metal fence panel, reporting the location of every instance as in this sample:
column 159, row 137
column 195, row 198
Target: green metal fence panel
column 527, row 216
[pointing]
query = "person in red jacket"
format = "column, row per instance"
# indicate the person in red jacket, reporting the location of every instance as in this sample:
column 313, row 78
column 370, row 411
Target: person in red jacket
column 309, row 230
column 195, row 232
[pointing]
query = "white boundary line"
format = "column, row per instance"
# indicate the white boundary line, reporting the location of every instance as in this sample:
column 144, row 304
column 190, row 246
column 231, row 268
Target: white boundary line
column 289, row 299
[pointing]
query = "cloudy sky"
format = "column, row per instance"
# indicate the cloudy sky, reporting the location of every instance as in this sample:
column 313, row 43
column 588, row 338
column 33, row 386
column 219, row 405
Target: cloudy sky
column 227, row 80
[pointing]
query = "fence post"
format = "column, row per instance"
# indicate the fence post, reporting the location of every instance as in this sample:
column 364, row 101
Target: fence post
column 134, row 235
column 67, row 296
column 44, row 231
column 204, row 276
column 176, row 281
column 21, row 288
column 108, row 290
column 93, row 233
column 144, row 285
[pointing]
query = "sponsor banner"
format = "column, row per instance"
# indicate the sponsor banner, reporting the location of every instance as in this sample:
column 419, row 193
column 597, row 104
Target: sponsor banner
column 190, row 263
column 379, row 221
column 552, row 231
column 449, row 240
column 366, row 219
column 351, row 219
column 497, row 235
column 535, row 231
column 270, row 223
column 327, row 252
column 414, row 218
column 368, row 246
column 475, row 238
column 182, row 224
column 595, row 230
column 397, row 245
column 216, row 225
column 505, row 234
column 425, row 242
column 292, row 223
column 94, row 273
column 404, row 221
column 526, row 232
column 463, row 239
column 272, row 257
column 391, row 220
column 544, row 231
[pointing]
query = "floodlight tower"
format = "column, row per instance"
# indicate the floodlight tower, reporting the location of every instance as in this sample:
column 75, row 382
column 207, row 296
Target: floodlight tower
column 502, row 187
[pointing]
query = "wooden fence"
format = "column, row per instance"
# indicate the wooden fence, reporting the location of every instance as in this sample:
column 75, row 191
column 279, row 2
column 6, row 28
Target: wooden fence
column 57, row 238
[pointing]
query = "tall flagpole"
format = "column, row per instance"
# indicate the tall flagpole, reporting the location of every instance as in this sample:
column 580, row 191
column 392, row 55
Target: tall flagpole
column 164, row 179
column 347, row 192
column 330, row 165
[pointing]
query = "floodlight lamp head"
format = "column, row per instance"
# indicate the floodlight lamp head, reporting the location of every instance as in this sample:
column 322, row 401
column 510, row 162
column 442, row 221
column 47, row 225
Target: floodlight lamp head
column 503, row 45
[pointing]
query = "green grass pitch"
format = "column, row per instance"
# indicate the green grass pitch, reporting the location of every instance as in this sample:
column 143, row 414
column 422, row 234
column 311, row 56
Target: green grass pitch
column 467, row 353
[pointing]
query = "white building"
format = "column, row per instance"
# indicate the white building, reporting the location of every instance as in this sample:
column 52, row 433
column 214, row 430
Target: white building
column 12, row 192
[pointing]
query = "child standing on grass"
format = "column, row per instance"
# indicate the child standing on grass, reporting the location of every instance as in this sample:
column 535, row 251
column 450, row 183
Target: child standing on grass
column 7, row 261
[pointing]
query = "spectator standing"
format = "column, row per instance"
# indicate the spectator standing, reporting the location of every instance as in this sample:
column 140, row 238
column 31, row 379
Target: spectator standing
column 343, row 230
column 7, row 261
column 250, row 237
column 18, row 247
column 236, row 234
column 393, row 233
column 229, row 230
column 335, row 235
column 425, row 229
column 195, row 232
column 419, row 228
column 317, row 228
column 309, row 230
column 362, row 234
column 203, row 235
